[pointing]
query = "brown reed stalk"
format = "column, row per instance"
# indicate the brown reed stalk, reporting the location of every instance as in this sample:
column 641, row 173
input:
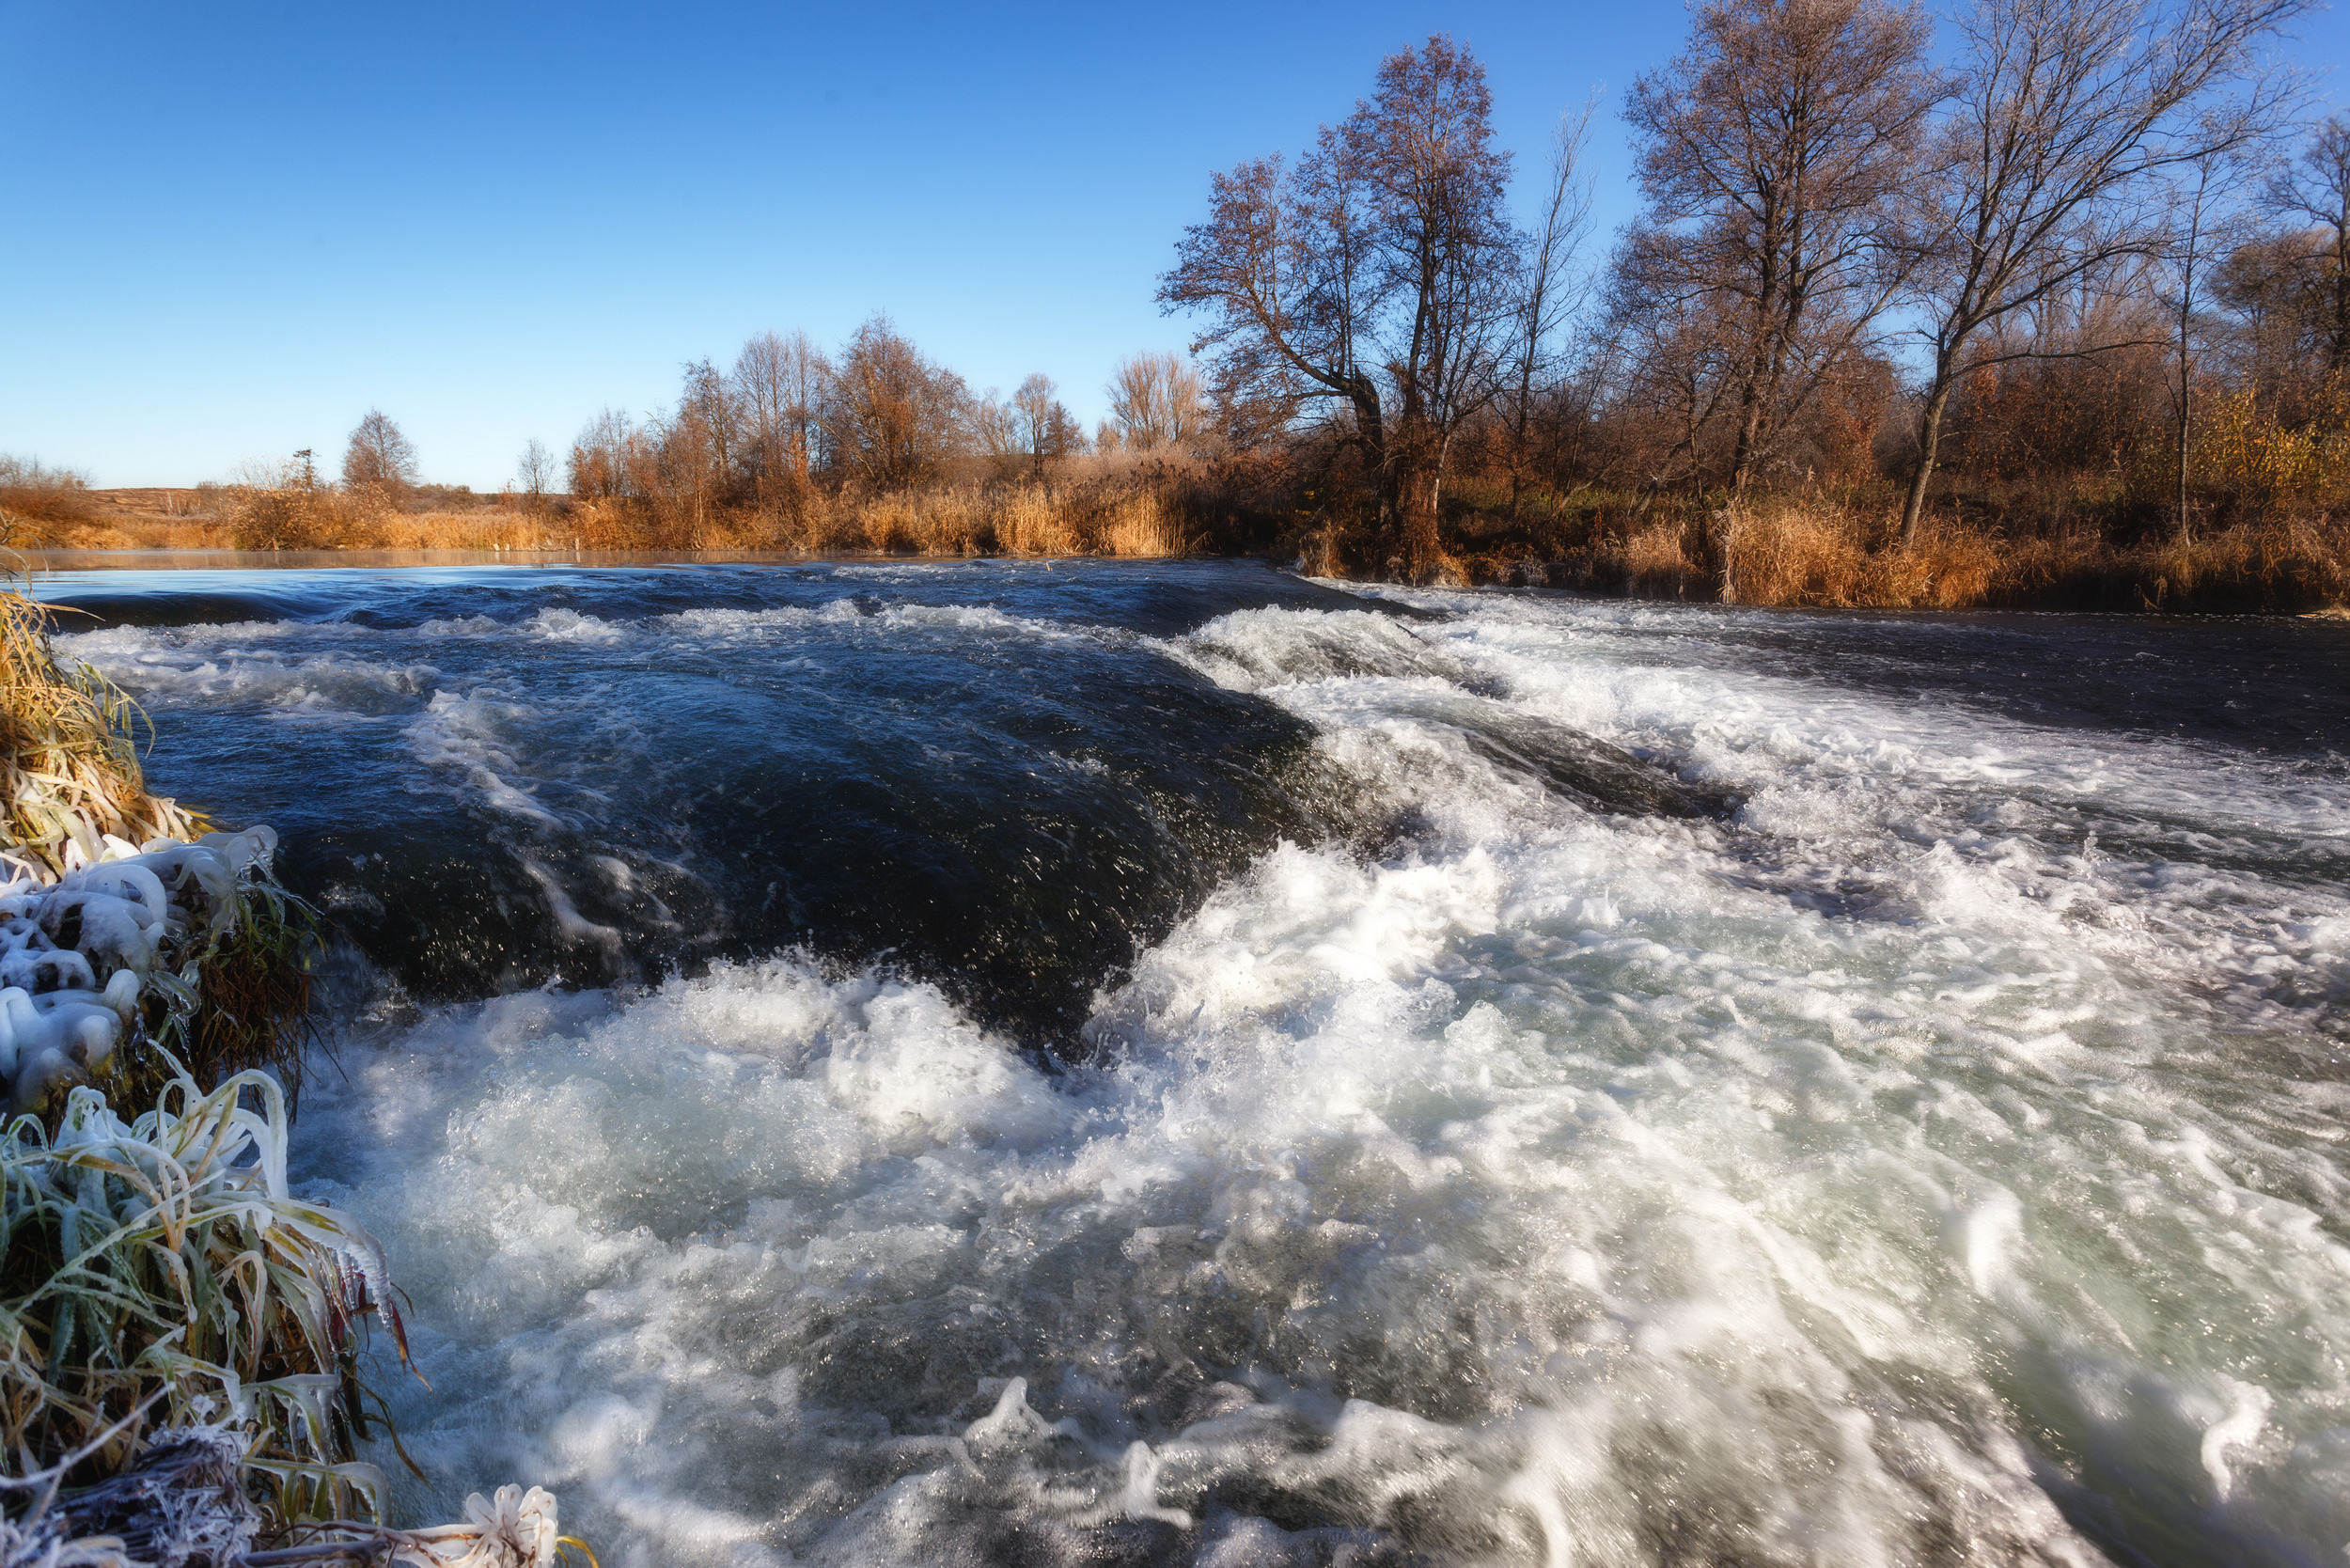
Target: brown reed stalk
column 68, row 762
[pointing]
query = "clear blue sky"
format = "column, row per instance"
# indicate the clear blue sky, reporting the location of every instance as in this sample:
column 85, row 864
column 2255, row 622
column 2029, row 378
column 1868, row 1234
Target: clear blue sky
column 227, row 231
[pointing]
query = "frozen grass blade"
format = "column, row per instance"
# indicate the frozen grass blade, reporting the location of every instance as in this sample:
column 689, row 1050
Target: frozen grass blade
column 169, row 1251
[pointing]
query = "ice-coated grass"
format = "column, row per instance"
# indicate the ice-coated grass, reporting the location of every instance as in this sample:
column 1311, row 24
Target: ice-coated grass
column 163, row 1267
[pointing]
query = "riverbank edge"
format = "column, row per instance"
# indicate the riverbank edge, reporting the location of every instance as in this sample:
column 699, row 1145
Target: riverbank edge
column 180, row 1378
column 2157, row 584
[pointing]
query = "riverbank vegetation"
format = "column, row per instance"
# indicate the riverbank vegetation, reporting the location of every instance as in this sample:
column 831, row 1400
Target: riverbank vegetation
column 180, row 1333
column 2049, row 308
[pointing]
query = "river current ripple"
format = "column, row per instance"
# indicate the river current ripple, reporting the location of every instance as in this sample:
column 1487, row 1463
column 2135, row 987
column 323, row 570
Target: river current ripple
column 1000, row 1062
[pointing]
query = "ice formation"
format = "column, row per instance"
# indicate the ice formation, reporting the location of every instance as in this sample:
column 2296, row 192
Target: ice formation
column 77, row 955
column 517, row 1529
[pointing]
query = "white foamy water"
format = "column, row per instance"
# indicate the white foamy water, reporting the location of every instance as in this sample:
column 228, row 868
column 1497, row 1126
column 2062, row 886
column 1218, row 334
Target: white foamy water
column 1938, row 1160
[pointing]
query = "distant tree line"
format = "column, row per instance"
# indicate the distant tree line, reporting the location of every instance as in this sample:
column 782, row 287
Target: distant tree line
column 788, row 423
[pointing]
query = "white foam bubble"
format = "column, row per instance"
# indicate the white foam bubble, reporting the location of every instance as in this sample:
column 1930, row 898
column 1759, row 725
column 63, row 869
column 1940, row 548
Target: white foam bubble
column 249, row 665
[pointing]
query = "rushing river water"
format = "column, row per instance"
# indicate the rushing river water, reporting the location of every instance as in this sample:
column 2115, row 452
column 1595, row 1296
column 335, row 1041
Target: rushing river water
column 1008, row 1063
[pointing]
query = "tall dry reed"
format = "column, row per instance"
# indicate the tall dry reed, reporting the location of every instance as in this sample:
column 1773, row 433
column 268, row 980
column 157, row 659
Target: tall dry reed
column 1793, row 553
column 1016, row 519
column 68, row 760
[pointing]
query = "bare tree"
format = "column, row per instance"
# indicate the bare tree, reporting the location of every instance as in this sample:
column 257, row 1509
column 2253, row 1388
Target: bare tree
column 2070, row 112
column 1064, row 434
column 893, row 416
column 1282, row 268
column 1379, row 273
column 1033, row 406
column 996, row 426
column 709, row 409
column 1775, row 152
column 2266, row 286
column 2203, row 223
column 1677, row 342
column 694, row 449
column 1447, row 252
column 779, row 384
column 1155, row 399
column 1046, row 428
column 536, row 470
column 379, row 457
column 2316, row 189
column 606, row 459
column 1553, row 290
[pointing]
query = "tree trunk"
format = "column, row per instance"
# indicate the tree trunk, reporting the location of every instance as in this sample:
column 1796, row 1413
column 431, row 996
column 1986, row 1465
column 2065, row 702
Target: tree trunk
column 1749, row 427
column 1378, row 452
column 1928, row 442
column 2186, row 412
column 1415, row 494
column 2183, row 524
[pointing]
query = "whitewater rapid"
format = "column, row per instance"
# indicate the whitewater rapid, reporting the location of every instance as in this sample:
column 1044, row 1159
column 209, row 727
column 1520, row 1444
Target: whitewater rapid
column 1935, row 1155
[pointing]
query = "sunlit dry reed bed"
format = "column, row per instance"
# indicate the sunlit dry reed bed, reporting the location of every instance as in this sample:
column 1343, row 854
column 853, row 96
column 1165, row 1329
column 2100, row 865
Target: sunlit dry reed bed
column 1769, row 551
column 1787, row 553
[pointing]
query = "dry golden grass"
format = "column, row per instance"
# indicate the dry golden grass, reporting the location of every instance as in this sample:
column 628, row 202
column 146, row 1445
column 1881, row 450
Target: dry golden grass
column 1800, row 551
column 1791, row 552
column 1659, row 562
column 1022, row 519
column 68, row 764
column 1148, row 523
column 487, row 528
column 36, row 501
column 1122, row 505
column 1767, row 550
column 105, row 532
column 2295, row 564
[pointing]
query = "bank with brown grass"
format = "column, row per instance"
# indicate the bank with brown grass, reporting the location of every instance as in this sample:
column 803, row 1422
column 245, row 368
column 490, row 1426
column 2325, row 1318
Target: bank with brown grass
column 1812, row 552
column 2085, row 550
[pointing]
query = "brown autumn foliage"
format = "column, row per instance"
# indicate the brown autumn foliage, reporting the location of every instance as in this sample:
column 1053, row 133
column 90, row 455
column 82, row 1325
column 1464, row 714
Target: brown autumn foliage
column 37, row 502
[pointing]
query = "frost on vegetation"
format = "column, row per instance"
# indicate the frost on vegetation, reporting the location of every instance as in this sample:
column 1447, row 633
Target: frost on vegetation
column 162, row 1275
column 118, row 914
column 178, row 1332
column 179, row 1323
column 112, row 952
column 172, row 1317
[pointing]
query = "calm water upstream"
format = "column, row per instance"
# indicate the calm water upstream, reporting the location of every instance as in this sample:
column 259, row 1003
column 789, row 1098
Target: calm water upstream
column 1005, row 1064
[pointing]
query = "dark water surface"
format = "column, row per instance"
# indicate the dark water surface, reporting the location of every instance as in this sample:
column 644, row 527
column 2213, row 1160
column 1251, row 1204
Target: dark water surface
column 496, row 777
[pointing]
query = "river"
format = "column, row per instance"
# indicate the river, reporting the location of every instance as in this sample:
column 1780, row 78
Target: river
column 1085, row 1062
